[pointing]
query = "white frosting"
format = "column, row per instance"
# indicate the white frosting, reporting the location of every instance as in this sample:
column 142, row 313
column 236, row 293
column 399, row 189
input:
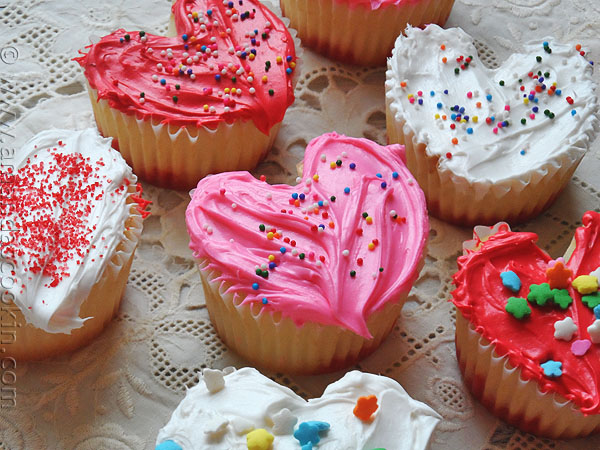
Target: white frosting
column 55, row 309
column 516, row 151
column 255, row 401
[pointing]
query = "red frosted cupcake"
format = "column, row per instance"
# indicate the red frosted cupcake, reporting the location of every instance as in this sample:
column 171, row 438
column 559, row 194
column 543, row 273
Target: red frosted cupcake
column 209, row 100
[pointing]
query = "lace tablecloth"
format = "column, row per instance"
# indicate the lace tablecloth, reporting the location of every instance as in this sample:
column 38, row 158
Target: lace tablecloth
column 117, row 392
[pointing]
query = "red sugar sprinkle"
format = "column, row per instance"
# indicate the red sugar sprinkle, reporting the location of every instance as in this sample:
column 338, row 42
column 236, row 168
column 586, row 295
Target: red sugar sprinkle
column 51, row 203
column 49, row 239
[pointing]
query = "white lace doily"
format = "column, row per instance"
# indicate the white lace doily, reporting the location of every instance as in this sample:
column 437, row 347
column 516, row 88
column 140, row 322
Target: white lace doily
column 117, row 392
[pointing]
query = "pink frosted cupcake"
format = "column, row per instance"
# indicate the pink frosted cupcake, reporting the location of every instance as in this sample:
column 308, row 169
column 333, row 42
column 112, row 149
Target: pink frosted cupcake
column 309, row 278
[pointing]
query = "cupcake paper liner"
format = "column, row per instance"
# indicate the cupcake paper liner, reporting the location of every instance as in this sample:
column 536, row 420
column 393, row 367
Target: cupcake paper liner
column 177, row 157
column 357, row 34
column 500, row 388
column 277, row 343
column 455, row 199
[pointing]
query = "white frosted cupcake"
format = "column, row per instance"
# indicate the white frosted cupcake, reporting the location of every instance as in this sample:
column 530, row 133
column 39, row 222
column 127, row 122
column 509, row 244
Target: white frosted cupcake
column 244, row 409
column 489, row 145
column 72, row 218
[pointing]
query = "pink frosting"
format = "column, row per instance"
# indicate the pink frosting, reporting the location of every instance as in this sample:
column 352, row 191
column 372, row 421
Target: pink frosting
column 312, row 280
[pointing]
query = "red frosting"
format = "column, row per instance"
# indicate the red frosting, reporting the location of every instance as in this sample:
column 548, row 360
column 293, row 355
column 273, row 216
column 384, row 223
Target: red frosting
column 251, row 43
column 481, row 298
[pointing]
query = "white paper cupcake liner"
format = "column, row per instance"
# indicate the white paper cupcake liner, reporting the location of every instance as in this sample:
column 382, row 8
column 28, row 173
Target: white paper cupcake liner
column 500, row 388
column 177, row 157
column 357, row 34
column 271, row 341
column 455, row 199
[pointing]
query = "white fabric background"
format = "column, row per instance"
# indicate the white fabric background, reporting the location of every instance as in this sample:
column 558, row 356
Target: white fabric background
column 117, row 392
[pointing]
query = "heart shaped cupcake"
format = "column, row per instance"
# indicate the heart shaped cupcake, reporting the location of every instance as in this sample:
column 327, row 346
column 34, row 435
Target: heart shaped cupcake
column 537, row 317
column 489, row 145
column 333, row 256
column 208, row 100
column 243, row 407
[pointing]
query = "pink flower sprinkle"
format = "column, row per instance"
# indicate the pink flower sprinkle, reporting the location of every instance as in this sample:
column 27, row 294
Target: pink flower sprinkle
column 580, row 347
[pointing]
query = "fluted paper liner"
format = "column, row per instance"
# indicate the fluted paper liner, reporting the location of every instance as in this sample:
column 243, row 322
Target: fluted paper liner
column 500, row 388
column 273, row 342
column 357, row 34
column 178, row 157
